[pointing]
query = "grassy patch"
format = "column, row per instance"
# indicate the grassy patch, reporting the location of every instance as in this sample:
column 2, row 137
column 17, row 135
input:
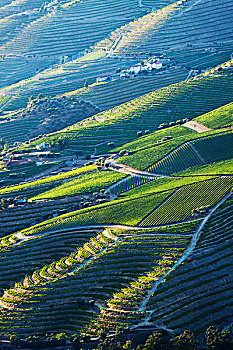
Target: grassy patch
column 217, row 118
column 222, row 167
column 163, row 184
column 87, row 183
column 48, row 180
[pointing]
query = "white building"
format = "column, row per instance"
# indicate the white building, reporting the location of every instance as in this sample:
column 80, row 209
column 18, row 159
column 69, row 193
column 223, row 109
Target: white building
column 124, row 75
column 103, row 79
column 115, row 76
column 40, row 146
column 135, row 69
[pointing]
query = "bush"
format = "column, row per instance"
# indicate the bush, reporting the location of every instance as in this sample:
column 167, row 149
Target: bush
column 166, row 138
column 185, row 341
column 14, row 339
column 216, row 340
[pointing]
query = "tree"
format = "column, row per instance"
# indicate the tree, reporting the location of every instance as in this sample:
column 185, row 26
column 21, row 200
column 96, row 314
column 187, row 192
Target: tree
column 216, row 340
column 185, row 341
column 109, row 344
column 14, row 339
column 2, row 143
column 162, row 126
column 102, row 334
column 4, row 203
column 61, row 338
column 5, row 147
column 40, row 96
column 122, row 152
column 62, row 142
column 156, row 341
column 172, row 123
column 128, row 345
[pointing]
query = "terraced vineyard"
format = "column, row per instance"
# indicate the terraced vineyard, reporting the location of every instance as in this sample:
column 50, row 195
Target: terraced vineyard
column 219, row 148
column 180, row 205
column 116, row 174
column 133, row 33
column 165, row 248
column 204, row 280
column 183, row 157
column 112, row 213
column 122, row 123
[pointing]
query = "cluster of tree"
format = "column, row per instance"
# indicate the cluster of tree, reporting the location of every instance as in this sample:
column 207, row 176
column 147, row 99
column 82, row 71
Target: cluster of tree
column 214, row 340
column 49, row 340
column 4, row 147
column 100, row 162
column 39, row 98
column 2, row 143
column 5, row 202
column 200, row 211
column 178, row 122
column 123, row 152
column 56, row 113
column 110, row 144
column 162, row 340
column 166, row 138
column 140, row 133
column 103, row 162
column 62, row 142
column 100, row 197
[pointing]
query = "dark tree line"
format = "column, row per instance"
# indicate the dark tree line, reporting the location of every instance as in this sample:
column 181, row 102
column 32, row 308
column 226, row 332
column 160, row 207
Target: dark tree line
column 161, row 340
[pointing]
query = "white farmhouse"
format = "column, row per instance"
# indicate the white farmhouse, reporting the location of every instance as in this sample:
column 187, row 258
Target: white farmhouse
column 157, row 65
column 135, row 69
